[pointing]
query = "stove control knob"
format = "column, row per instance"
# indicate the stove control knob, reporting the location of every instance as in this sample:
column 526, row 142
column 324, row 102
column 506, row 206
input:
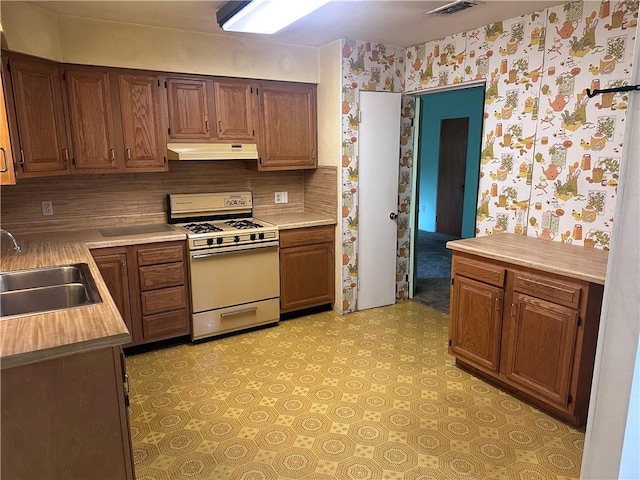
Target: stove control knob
column 236, row 238
column 252, row 236
column 261, row 236
column 209, row 241
column 219, row 240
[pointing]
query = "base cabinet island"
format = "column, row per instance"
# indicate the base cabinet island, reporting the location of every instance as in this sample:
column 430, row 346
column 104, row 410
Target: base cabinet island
column 525, row 314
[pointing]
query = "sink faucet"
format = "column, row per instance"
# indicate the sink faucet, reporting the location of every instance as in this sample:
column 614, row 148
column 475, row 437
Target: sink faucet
column 16, row 247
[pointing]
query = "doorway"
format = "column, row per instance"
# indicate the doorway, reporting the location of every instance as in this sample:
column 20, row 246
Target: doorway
column 449, row 137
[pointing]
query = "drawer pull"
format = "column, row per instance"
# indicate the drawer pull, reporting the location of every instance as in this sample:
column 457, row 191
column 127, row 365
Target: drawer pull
column 239, row 312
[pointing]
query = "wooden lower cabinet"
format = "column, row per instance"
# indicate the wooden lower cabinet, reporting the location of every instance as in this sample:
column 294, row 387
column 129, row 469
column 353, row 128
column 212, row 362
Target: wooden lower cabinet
column 67, row 418
column 113, row 266
column 150, row 287
column 306, row 267
column 531, row 332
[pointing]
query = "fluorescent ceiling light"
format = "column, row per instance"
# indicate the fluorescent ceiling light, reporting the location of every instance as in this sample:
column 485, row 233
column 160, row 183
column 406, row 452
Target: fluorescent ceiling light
column 269, row 16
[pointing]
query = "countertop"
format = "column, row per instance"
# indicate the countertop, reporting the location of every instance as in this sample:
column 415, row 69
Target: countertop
column 94, row 238
column 554, row 257
column 32, row 338
column 286, row 221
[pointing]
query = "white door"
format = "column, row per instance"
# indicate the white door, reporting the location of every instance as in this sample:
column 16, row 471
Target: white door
column 378, row 198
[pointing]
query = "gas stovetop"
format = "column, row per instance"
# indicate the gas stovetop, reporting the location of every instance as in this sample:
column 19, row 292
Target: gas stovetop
column 205, row 220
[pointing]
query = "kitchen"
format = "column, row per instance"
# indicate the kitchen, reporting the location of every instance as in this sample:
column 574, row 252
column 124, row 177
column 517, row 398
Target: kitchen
column 73, row 35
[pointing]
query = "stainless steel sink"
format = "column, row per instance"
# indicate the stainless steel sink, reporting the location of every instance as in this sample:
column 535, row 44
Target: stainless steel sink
column 40, row 290
column 40, row 277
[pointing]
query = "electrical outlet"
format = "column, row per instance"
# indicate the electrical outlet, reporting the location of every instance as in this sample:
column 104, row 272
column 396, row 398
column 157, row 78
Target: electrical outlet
column 47, row 207
column 282, row 197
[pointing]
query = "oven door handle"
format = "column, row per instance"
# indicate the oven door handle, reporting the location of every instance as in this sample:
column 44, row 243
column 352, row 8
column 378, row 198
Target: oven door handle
column 248, row 249
column 239, row 312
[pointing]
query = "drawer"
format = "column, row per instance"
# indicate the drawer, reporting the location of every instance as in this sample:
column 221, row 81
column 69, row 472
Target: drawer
column 306, row 236
column 165, row 324
column 164, row 254
column 478, row 270
column 239, row 317
column 163, row 300
column 161, row 276
column 562, row 293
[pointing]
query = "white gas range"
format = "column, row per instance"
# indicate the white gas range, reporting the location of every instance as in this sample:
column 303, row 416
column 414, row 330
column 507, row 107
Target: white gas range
column 233, row 260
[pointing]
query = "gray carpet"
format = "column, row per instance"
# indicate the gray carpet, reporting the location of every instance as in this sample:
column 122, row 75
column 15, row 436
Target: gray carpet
column 433, row 264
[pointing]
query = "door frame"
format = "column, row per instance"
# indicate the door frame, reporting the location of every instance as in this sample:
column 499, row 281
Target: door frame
column 415, row 168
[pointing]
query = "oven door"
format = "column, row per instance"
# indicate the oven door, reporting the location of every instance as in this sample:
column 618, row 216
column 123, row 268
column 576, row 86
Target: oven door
column 221, row 279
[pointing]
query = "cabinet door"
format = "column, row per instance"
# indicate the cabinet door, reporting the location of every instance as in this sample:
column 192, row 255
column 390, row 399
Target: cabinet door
column 42, row 138
column 189, row 109
column 7, row 173
column 287, row 127
column 307, row 278
column 540, row 348
column 113, row 268
column 234, row 110
column 144, row 145
column 92, row 120
column 475, row 323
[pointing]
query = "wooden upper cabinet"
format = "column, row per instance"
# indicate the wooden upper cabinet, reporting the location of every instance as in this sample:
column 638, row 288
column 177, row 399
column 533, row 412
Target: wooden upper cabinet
column 7, row 173
column 287, row 126
column 116, row 121
column 190, row 107
column 40, row 138
column 235, row 112
column 144, row 142
column 92, row 120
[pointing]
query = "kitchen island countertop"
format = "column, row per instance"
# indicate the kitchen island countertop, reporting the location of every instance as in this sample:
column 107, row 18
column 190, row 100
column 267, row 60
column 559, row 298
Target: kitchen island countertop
column 554, row 257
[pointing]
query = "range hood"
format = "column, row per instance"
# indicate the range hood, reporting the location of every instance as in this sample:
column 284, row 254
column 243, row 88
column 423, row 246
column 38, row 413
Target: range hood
column 212, row 151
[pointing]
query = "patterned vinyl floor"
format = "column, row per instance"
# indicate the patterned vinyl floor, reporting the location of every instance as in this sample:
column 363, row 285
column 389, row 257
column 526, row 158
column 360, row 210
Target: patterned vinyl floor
column 370, row 395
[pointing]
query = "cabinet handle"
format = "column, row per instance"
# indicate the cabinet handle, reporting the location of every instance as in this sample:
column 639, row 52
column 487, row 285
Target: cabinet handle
column 128, row 153
column 220, row 126
column 6, row 163
column 513, row 305
column 113, row 155
column 22, row 158
column 497, row 304
column 65, row 153
column 126, row 383
column 206, row 125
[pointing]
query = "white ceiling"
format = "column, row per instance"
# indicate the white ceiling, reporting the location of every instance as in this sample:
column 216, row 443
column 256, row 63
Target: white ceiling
column 393, row 22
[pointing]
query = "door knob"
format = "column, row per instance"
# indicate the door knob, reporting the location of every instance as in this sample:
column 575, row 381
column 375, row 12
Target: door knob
column 393, row 215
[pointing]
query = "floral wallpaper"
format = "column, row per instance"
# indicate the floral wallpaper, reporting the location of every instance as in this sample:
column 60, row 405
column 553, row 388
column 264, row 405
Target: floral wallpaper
column 550, row 154
column 376, row 67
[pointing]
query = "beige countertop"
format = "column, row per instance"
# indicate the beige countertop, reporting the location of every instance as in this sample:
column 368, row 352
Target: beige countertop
column 95, row 238
column 32, row 338
column 554, row 257
column 286, row 221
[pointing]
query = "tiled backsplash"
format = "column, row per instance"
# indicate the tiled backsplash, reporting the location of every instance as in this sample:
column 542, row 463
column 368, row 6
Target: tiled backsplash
column 82, row 201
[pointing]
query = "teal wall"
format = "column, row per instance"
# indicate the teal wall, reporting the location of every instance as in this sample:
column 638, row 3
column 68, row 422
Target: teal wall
column 434, row 107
